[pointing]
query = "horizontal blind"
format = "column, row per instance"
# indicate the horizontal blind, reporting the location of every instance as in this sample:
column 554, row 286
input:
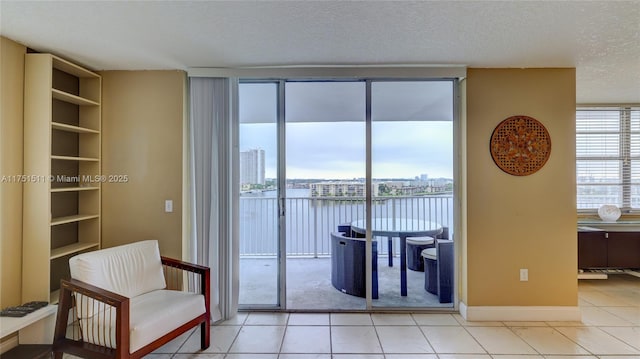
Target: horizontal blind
column 634, row 158
column 608, row 158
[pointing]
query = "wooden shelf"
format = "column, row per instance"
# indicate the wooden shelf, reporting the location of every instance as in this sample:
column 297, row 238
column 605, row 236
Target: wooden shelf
column 70, row 219
column 70, row 158
column 67, row 97
column 62, row 137
column 72, row 249
column 70, row 128
column 11, row 325
column 71, row 68
column 73, row 189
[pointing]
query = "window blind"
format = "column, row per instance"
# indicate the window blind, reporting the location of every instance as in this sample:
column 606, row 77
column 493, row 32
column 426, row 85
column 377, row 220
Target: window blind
column 608, row 157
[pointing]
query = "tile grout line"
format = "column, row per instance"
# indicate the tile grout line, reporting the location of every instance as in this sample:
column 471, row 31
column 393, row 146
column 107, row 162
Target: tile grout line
column 523, row 340
column 573, row 341
column 424, row 335
column 235, row 338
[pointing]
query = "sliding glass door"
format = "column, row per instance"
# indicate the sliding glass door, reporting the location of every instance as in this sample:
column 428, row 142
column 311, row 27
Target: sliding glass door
column 309, row 237
column 412, row 168
column 258, row 205
column 325, row 171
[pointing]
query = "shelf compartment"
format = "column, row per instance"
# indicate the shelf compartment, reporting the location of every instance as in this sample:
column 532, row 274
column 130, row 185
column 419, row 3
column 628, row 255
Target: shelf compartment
column 70, row 128
column 71, row 68
column 71, row 219
column 75, row 144
column 72, row 249
column 70, row 158
column 77, row 100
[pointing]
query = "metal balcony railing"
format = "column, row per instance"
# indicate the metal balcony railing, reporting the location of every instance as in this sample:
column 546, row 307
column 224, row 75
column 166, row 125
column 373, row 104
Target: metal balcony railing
column 310, row 220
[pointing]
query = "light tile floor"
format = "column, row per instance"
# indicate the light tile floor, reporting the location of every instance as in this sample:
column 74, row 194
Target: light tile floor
column 610, row 329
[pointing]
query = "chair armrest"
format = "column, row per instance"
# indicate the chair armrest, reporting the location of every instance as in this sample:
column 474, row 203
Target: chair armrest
column 91, row 291
column 191, row 267
column 66, row 303
column 205, row 277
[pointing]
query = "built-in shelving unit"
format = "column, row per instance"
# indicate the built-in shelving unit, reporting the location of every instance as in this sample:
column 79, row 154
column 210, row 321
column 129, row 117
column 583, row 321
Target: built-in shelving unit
column 62, row 136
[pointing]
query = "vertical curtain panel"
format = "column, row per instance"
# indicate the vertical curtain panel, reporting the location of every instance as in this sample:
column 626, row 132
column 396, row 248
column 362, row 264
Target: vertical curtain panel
column 211, row 188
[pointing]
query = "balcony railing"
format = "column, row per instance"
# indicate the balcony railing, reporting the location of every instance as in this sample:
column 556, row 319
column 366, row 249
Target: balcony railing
column 310, row 220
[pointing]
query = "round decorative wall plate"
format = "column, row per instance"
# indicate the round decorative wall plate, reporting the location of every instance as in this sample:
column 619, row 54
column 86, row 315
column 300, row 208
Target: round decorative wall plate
column 520, row 145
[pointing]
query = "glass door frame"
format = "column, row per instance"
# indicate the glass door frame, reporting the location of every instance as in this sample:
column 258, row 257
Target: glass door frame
column 280, row 199
column 282, row 193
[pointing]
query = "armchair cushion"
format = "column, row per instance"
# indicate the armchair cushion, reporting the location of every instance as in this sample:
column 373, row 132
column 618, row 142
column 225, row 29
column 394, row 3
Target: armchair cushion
column 129, row 270
column 149, row 319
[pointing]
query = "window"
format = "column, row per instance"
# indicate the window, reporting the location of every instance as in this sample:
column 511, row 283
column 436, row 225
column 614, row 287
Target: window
column 608, row 157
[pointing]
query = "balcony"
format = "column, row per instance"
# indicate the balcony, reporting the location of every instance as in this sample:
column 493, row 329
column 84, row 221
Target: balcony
column 309, row 222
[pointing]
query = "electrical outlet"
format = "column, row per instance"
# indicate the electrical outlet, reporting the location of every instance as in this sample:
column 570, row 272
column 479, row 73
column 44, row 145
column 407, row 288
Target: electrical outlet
column 524, row 275
column 168, row 206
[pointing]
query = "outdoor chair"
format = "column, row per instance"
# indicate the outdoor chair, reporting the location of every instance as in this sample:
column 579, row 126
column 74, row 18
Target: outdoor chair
column 415, row 246
column 127, row 301
column 348, row 265
column 438, row 270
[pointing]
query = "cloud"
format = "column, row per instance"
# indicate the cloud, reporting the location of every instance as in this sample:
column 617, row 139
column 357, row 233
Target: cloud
column 412, row 128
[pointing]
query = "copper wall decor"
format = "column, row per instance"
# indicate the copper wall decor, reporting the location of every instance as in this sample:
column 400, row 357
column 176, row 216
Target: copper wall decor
column 520, row 145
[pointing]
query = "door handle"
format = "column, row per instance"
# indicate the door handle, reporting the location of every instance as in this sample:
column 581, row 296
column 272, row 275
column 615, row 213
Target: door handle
column 281, row 206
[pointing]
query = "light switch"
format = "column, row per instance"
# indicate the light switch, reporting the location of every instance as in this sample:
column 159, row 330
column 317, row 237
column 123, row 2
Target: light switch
column 168, row 206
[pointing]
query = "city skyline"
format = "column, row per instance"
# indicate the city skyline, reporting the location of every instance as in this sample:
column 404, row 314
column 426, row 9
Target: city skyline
column 337, row 150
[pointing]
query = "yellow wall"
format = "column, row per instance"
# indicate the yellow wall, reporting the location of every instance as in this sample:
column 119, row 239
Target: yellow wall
column 142, row 126
column 520, row 222
column 11, row 122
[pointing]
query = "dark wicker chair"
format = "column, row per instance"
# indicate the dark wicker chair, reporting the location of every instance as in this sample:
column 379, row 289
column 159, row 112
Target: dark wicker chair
column 438, row 270
column 348, row 265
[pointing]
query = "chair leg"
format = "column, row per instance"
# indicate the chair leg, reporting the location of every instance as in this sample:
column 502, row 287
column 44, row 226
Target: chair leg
column 374, row 273
column 390, row 245
column 205, row 334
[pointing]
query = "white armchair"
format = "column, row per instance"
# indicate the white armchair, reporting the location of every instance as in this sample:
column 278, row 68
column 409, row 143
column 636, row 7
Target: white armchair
column 126, row 301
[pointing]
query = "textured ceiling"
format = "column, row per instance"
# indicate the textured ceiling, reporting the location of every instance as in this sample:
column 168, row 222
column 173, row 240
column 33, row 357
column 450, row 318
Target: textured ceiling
column 601, row 39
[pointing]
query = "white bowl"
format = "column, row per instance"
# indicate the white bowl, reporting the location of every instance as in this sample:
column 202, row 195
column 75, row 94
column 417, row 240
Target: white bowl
column 609, row 212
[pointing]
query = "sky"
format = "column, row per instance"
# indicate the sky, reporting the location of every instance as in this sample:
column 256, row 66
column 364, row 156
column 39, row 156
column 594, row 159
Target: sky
column 412, row 128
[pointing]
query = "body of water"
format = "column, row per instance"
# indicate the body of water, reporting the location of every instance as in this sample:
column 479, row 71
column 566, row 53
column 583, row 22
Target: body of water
column 310, row 220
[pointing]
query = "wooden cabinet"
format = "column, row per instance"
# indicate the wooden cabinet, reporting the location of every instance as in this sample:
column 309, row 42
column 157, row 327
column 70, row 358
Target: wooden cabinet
column 592, row 250
column 608, row 249
column 62, row 182
column 623, row 249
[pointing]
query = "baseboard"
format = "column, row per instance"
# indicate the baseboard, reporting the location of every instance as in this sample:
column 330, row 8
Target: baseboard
column 520, row 313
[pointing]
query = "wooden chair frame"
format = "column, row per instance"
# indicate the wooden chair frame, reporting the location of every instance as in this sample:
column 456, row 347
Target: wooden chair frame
column 62, row 344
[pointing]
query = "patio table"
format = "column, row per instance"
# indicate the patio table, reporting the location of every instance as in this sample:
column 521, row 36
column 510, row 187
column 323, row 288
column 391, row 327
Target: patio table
column 402, row 228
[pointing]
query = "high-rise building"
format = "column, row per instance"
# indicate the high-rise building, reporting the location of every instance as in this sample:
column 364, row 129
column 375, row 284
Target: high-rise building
column 252, row 167
column 341, row 189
